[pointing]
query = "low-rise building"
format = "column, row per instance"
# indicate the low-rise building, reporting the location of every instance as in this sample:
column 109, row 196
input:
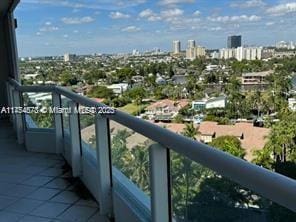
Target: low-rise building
column 119, row 88
column 251, row 137
column 138, row 79
column 216, row 102
column 255, row 80
column 199, row 105
column 39, row 98
column 165, row 110
column 179, row 79
column 285, row 54
column 255, row 77
column 292, row 104
column 212, row 103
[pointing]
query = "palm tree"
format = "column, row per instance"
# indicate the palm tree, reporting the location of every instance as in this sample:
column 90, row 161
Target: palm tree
column 140, row 166
column 186, row 169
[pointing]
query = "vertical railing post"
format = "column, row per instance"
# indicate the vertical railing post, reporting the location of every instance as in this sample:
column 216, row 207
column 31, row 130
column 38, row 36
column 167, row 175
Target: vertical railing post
column 9, row 99
column 13, row 118
column 104, row 165
column 58, row 122
column 160, row 183
column 19, row 125
column 75, row 140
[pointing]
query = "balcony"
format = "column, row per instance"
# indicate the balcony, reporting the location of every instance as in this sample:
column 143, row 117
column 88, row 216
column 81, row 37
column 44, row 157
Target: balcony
column 67, row 170
column 119, row 196
column 39, row 186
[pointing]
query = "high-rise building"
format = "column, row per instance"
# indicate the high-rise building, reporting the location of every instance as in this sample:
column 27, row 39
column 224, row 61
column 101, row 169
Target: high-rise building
column 200, row 51
column 234, row 41
column 69, row 57
column 241, row 53
column 195, row 52
column 191, row 53
column 176, row 47
column 135, row 52
column 227, row 53
column 285, row 45
column 191, row 43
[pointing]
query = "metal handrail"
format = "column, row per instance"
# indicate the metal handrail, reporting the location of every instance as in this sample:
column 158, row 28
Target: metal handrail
column 271, row 185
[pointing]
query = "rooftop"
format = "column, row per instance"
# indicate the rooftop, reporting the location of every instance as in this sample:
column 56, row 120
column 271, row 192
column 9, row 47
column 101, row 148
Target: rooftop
column 260, row 74
column 254, row 137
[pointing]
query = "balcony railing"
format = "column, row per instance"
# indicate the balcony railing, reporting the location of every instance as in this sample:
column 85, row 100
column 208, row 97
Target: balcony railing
column 276, row 187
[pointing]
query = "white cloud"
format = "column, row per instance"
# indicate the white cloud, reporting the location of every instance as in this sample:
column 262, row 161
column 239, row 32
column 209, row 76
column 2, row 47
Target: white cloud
column 175, row 2
column 239, row 18
column 66, row 36
column 77, row 21
column 196, row 13
column 118, row 15
column 47, row 23
column 146, row 13
column 131, row 29
column 149, row 15
column 218, row 28
column 248, row 4
column 269, row 23
column 282, row 9
column 38, row 33
column 94, row 4
column 48, row 28
column 154, row 18
column 171, row 13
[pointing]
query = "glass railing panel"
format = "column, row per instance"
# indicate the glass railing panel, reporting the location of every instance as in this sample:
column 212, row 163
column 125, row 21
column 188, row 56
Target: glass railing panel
column 39, row 112
column 87, row 131
column 130, row 155
column 65, row 115
column 200, row 194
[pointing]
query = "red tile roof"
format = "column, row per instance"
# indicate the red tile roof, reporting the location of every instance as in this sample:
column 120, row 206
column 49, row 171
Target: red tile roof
column 254, row 137
column 168, row 103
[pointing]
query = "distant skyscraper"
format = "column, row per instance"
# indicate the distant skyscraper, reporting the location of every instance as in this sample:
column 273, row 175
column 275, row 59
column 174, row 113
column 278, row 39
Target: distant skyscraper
column 176, row 47
column 193, row 51
column 69, row 57
column 191, row 43
column 234, row 41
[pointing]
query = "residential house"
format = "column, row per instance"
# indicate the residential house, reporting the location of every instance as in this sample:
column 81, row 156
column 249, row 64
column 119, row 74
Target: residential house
column 216, row 102
column 255, row 80
column 292, row 104
column 165, row 110
column 251, row 137
column 119, row 88
column 212, row 103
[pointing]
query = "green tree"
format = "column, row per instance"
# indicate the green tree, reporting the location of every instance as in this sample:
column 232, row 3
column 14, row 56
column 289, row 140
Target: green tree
column 101, row 92
column 137, row 94
column 68, row 79
column 229, row 144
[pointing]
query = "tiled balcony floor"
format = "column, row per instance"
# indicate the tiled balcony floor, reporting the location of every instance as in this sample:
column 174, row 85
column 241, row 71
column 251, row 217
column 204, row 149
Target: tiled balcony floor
column 38, row 187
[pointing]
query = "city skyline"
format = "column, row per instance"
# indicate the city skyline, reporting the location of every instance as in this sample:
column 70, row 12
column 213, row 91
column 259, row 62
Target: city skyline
column 85, row 27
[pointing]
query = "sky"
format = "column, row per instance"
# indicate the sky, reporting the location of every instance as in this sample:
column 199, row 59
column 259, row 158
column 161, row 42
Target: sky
column 56, row 27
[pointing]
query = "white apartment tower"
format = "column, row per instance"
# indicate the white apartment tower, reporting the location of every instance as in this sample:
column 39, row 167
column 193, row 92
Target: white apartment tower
column 241, row 53
column 191, row 43
column 176, row 47
column 194, row 51
column 69, row 57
